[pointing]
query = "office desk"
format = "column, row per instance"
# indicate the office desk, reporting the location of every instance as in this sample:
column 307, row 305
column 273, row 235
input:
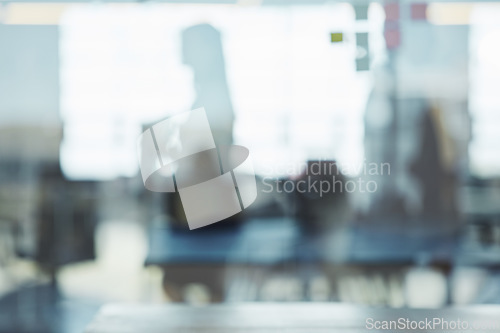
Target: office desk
column 259, row 242
column 271, row 241
column 233, row 262
column 275, row 317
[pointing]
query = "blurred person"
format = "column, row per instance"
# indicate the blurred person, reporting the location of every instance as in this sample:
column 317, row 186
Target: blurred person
column 202, row 50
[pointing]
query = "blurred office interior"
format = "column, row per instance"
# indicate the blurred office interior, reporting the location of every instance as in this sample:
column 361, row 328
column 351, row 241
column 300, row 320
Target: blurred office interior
column 394, row 101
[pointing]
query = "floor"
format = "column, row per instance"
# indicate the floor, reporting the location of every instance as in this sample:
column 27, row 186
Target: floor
column 30, row 303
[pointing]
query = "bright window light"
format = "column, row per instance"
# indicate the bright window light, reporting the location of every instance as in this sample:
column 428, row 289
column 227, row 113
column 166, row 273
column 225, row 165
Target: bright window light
column 296, row 95
column 484, row 65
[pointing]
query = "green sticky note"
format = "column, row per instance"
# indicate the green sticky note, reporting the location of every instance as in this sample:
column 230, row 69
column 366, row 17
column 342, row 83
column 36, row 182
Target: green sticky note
column 337, row 37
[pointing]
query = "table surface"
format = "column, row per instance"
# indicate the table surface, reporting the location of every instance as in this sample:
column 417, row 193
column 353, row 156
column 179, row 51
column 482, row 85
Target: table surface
column 280, row 317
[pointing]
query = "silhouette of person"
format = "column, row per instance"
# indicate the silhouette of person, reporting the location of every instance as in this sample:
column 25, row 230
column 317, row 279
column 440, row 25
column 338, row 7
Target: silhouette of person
column 202, row 51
